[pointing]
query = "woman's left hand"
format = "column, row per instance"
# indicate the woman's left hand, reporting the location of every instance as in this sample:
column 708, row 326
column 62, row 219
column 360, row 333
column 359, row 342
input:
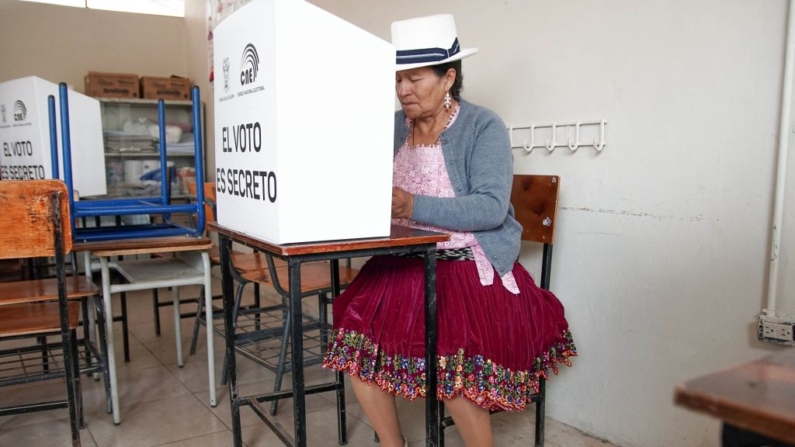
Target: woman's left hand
column 402, row 203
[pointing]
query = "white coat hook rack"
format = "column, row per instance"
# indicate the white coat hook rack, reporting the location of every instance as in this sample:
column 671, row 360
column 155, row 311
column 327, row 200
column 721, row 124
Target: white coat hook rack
column 573, row 134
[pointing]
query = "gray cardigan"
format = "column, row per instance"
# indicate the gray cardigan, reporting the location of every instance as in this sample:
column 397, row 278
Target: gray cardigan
column 479, row 161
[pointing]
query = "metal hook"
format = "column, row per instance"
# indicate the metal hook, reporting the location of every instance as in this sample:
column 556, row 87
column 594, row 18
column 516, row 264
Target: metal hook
column 577, row 137
column 551, row 148
column 532, row 139
column 599, row 146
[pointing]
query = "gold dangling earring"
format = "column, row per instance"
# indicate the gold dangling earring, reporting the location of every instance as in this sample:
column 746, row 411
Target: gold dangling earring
column 448, row 101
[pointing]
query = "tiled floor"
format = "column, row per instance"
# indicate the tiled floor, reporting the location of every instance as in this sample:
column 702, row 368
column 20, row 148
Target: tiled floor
column 164, row 405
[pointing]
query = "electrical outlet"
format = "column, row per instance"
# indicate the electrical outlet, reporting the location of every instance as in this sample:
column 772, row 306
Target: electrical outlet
column 777, row 331
column 784, row 332
column 768, row 330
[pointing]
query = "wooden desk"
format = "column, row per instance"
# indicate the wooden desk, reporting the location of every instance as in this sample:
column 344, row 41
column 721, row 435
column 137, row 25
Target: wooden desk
column 756, row 397
column 189, row 266
column 401, row 240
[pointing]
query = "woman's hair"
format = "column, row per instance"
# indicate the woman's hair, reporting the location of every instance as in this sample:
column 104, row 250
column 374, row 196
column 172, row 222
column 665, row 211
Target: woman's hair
column 458, row 85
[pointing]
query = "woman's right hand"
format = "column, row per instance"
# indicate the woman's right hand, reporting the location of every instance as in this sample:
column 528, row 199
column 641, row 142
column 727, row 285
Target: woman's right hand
column 402, row 203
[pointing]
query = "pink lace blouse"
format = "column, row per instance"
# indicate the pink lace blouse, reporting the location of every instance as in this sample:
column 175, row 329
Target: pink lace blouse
column 421, row 170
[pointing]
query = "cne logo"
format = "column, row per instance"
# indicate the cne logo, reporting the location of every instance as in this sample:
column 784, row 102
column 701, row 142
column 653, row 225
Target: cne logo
column 249, row 65
column 20, row 111
column 3, row 112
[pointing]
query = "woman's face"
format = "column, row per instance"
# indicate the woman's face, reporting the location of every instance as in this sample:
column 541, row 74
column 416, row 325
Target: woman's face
column 421, row 92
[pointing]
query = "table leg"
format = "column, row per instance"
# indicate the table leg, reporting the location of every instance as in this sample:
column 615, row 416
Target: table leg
column 208, row 308
column 228, row 293
column 110, row 351
column 177, row 325
column 431, row 406
column 297, row 352
column 92, row 324
column 339, row 376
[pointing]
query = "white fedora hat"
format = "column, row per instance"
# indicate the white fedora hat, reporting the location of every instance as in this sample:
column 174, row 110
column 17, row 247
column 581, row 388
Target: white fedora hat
column 424, row 41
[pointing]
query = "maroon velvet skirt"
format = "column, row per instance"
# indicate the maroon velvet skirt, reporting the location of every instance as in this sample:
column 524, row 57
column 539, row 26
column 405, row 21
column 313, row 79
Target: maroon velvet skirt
column 493, row 346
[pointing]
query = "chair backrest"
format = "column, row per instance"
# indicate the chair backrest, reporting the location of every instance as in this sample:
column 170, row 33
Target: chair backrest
column 209, row 198
column 35, row 220
column 535, row 203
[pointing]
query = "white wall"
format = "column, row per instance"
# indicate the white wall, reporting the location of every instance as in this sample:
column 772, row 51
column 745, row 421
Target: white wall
column 662, row 244
column 197, row 66
column 61, row 44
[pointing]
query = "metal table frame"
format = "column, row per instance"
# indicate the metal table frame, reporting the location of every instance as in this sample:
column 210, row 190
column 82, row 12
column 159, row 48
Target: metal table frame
column 401, row 240
column 190, row 256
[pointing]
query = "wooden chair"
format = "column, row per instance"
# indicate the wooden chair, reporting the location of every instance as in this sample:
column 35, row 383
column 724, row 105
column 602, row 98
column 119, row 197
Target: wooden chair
column 241, row 262
column 215, row 259
column 256, row 324
column 36, row 224
column 535, row 202
column 315, row 281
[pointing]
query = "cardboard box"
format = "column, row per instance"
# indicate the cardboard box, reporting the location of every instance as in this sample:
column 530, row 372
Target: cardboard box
column 304, row 117
column 25, row 135
column 165, row 88
column 111, row 85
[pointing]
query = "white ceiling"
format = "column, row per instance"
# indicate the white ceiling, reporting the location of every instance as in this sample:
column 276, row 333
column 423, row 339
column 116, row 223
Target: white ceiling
column 175, row 8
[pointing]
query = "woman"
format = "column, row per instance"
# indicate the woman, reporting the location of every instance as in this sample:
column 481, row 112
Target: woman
column 497, row 331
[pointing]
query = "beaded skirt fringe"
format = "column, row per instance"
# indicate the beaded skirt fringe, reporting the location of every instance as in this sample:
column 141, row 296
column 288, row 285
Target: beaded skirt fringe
column 493, row 346
column 480, row 380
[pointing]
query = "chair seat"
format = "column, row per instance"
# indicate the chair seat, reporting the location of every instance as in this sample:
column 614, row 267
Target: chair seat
column 46, row 290
column 35, row 318
column 314, row 276
column 244, row 262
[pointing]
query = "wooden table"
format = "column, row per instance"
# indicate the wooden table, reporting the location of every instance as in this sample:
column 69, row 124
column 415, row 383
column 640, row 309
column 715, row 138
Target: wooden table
column 755, row 400
column 190, row 265
column 401, row 240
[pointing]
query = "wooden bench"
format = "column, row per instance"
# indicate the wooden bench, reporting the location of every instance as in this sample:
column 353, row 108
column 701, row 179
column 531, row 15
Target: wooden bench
column 31, row 307
column 36, row 224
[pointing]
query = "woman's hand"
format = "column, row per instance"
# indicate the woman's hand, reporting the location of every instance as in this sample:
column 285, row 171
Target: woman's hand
column 402, row 203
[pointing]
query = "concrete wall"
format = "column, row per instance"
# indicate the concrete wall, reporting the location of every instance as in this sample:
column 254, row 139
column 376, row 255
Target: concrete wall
column 662, row 243
column 61, row 44
column 662, row 239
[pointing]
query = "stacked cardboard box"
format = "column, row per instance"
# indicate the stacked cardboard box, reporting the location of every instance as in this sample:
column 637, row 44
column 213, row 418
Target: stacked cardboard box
column 165, row 88
column 126, row 85
column 112, row 85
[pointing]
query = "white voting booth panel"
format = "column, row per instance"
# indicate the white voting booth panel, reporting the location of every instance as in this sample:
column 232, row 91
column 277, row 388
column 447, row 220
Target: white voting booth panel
column 304, row 117
column 25, row 135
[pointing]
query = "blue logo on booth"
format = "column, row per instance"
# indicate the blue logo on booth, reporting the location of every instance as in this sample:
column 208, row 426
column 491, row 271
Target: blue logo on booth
column 249, row 65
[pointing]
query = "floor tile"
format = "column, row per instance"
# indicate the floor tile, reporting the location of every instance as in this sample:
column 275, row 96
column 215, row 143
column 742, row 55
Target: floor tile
column 155, row 423
column 219, row 439
column 140, row 356
column 164, row 405
column 135, row 387
column 32, row 393
column 321, row 431
column 53, row 433
column 247, row 416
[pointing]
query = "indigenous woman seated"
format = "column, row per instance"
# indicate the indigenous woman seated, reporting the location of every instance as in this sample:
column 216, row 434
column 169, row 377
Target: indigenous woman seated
column 498, row 332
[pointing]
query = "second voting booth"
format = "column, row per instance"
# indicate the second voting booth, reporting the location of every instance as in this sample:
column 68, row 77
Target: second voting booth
column 25, row 135
column 304, row 107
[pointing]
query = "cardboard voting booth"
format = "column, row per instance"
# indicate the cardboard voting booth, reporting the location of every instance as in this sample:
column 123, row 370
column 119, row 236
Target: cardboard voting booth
column 304, row 117
column 25, row 135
